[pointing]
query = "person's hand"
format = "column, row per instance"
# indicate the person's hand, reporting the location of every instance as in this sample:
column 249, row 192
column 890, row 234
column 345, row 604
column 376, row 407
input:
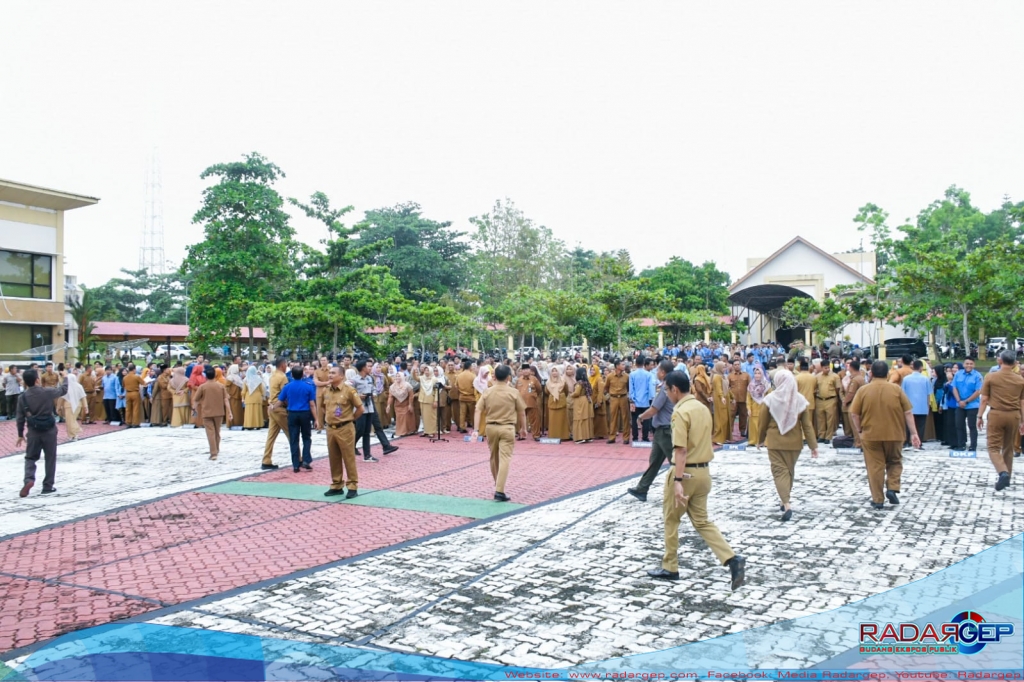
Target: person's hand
column 981, row 422
column 522, row 434
column 680, row 496
column 758, row 447
column 474, row 435
column 814, row 453
column 632, row 407
column 961, row 403
column 915, row 440
column 387, row 409
column 1022, row 428
column 21, row 441
column 230, row 417
column 318, row 426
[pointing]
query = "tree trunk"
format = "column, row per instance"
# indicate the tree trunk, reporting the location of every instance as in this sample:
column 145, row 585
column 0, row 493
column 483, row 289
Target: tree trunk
column 533, row 339
column 250, row 342
column 967, row 337
column 618, row 334
column 334, row 348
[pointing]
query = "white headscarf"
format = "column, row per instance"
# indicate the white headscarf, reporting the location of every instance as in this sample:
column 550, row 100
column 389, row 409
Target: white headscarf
column 480, row 383
column 75, row 394
column 234, row 375
column 785, row 403
column 252, row 378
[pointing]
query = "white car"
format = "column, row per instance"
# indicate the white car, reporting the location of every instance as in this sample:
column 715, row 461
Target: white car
column 178, row 351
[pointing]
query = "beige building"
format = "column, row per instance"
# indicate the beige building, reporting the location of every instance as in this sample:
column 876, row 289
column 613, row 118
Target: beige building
column 32, row 306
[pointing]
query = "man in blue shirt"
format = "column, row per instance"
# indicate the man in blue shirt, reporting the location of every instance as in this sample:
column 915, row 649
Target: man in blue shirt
column 967, row 390
column 749, row 365
column 300, row 397
column 641, row 393
column 918, row 388
column 199, row 362
column 110, row 394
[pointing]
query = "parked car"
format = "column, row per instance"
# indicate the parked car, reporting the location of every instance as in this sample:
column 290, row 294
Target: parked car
column 178, row 352
column 898, row 347
column 527, row 352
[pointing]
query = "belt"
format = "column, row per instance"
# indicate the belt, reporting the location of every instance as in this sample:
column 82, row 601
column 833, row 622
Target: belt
column 338, row 426
column 830, row 398
column 623, row 395
column 664, row 426
column 1010, row 411
column 498, row 424
column 702, row 465
column 131, row 391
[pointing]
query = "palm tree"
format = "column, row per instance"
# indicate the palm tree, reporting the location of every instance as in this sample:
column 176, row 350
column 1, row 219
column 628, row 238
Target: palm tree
column 82, row 312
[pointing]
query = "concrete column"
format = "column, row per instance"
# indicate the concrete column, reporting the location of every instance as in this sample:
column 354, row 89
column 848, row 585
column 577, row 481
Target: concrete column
column 511, row 345
column 476, row 345
column 707, row 336
column 408, row 351
column 733, row 336
column 661, row 339
column 932, row 356
column 982, row 345
column 807, row 340
column 881, row 341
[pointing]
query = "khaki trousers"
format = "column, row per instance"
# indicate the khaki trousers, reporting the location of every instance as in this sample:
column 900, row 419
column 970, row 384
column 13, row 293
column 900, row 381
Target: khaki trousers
column 456, row 407
column 466, row 410
column 500, row 438
column 1003, row 432
column 618, row 418
column 848, row 429
column 278, row 424
column 132, row 408
column 825, row 413
column 71, row 415
column 533, row 420
column 884, row 462
column 696, row 488
column 212, row 426
column 783, row 463
column 341, row 453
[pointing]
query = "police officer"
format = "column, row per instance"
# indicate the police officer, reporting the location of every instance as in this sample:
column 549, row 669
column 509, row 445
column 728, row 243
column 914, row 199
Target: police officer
column 660, row 414
column 342, row 407
column 503, row 406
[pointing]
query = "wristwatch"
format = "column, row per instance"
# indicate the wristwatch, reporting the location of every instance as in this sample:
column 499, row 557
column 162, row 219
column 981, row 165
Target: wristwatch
column 678, row 479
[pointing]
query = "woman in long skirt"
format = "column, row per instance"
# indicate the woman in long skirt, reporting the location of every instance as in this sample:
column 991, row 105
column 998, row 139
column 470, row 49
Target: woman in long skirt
column 428, row 403
column 758, row 389
column 197, row 379
column 73, row 406
column 582, row 408
column 236, row 389
column 400, row 404
column 558, row 394
column 255, row 392
column 181, row 409
column 721, row 395
column 600, row 408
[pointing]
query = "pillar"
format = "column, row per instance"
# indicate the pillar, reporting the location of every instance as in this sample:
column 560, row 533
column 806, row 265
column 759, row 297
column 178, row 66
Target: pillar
column 982, row 345
column 408, row 351
column 932, row 356
column 807, row 340
column 476, row 345
column 511, row 344
column 661, row 339
column 732, row 336
column 586, row 350
column 881, row 341
column 707, row 336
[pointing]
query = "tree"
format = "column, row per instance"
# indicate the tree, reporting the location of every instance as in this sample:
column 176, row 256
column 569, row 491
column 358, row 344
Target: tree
column 83, row 312
column 627, row 299
column 140, row 296
column 690, row 287
column 825, row 319
column 245, row 259
column 428, row 257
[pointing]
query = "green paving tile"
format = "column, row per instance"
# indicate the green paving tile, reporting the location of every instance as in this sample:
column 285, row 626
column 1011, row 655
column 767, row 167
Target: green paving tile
column 438, row 504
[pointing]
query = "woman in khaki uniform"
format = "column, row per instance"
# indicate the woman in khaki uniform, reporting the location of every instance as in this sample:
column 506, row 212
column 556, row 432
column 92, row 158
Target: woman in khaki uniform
column 722, row 412
column 254, row 394
column 235, row 387
column 73, row 406
column 759, row 387
column 582, row 408
column 428, row 405
column 557, row 393
column 701, row 385
column 785, row 427
column 600, row 407
column 400, row 404
column 381, row 385
column 181, row 408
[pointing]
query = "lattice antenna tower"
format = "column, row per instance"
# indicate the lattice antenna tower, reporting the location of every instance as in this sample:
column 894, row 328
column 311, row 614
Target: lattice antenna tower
column 151, row 253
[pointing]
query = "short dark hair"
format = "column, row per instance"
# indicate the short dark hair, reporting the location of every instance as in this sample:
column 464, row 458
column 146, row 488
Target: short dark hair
column 210, row 371
column 879, row 369
column 49, row 363
column 296, row 373
column 679, row 380
column 666, row 366
column 280, row 362
column 404, row 365
column 29, row 376
column 616, row 363
column 466, row 364
column 855, row 364
column 907, row 359
column 359, row 365
column 918, row 365
column 648, row 362
column 502, row 372
column 804, row 365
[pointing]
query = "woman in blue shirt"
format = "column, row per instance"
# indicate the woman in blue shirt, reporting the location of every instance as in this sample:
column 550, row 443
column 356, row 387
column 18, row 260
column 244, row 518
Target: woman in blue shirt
column 949, row 405
column 119, row 387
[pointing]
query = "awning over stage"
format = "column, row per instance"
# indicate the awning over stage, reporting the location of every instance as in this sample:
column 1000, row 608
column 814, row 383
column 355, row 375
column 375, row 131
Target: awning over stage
column 765, row 298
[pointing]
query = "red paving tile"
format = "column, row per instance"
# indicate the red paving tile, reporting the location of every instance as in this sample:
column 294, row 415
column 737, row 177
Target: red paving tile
column 33, row 610
column 9, row 435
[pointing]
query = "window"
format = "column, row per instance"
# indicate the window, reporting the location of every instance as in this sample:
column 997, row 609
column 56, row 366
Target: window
column 17, row 338
column 25, row 275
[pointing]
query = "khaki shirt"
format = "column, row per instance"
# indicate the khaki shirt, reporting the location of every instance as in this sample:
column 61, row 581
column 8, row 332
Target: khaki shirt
column 453, row 385
column 210, row 400
column 691, row 429
column 856, row 383
column 807, row 386
column 464, row 383
column 277, row 382
column 617, row 386
column 829, row 386
column 502, row 403
column 49, row 379
column 897, row 374
column 882, row 408
column 1004, row 391
column 88, row 383
column 132, row 382
column 321, row 374
column 340, row 404
column 738, row 382
column 530, row 388
column 793, row 440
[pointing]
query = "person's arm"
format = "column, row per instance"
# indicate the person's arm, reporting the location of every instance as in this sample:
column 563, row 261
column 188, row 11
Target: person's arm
column 1022, row 416
column 21, row 420
column 195, row 397
column 314, row 411
column 227, row 406
column 656, row 404
column 976, row 393
column 476, row 418
column 521, row 408
column 680, row 433
column 915, row 440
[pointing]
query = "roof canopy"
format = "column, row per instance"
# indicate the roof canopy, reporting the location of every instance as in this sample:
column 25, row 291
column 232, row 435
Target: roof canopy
column 41, row 197
column 764, row 298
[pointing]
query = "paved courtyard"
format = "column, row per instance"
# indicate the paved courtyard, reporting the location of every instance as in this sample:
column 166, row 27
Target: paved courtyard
column 145, row 527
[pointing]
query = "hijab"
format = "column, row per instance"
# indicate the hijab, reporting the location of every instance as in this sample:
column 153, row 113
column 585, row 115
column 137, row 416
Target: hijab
column 198, row 377
column 235, row 376
column 556, row 384
column 759, row 388
column 427, row 380
column 722, row 370
column 700, row 377
column 178, row 379
column 75, row 394
column 400, row 389
column 252, row 378
column 219, row 377
column 480, row 383
column 785, row 403
column 570, row 376
column 378, row 378
column 595, row 376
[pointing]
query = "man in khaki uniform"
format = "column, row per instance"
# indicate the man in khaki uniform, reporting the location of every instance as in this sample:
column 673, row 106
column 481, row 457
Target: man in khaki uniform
column 504, row 406
column 807, row 386
column 1003, row 392
column 278, row 417
column 211, row 400
column 881, row 413
column 856, row 383
column 827, row 394
column 454, row 396
column 901, row 368
column 342, row 407
column 132, row 400
column 530, row 390
column 467, row 396
column 96, row 410
column 321, row 376
column 88, row 382
column 738, row 383
column 617, row 390
column 688, row 483
column 49, row 379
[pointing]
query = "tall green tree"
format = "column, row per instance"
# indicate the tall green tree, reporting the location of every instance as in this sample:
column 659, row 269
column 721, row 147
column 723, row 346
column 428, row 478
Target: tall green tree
column 245, row 258
column 140, row 296
column 691, row 287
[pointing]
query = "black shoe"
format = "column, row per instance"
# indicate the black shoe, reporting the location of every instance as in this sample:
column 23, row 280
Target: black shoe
column 393, row 448
column 502, row 497
column 637, row 494
column 296, row 469
column 370, row 459
column 782, row 507
column 878, row 505
column 25, row 488
column 47, row 491
column 662, row 574
column 307, row 467
column 1003, row 482
column 787, row 516
column 738, row 569
column 891, row 496
column 350, row 494
column 332, row 492
column 270, row 467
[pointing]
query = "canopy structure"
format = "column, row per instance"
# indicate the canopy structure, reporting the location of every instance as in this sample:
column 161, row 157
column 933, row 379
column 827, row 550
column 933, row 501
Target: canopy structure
column 766, row 298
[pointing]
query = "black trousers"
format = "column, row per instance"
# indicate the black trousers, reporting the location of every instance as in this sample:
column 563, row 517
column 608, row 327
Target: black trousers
column 46, row 443
column 300, row 423
column 949, row 426
column 645, row 424
column 370, row 423
column 661, row 450
column 110, row 407
column 920, row 423
column 966, row 419
column 940, row 426
column 12, row 406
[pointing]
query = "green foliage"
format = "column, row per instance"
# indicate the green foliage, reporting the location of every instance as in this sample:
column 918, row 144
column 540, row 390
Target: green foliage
column 139, row 297
column 690, row 287
column 627, row 299
column 825, row 319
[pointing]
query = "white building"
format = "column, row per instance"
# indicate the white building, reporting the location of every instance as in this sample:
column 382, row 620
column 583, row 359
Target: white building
column 800, row 269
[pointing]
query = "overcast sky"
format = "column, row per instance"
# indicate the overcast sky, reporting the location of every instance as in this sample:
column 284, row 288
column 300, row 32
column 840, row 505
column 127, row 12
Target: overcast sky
column 704, row 130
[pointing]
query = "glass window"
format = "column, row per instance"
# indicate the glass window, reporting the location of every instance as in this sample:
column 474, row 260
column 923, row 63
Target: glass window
column 25, row 275
column 15, row 338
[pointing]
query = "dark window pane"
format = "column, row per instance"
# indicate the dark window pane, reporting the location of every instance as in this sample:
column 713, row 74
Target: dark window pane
column 14, row 338
column 41, row 292
column 15, row 267
column 41, row 336
column 17, row 290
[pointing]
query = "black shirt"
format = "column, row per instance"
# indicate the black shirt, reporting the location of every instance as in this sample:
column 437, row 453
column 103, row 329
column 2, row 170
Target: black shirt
column 38, row 401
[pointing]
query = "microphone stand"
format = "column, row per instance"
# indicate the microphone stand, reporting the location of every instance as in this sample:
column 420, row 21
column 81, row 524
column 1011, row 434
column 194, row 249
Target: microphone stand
column 436, row 438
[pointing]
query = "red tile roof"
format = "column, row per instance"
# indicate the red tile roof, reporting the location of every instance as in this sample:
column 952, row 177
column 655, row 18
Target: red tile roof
column 157, row 331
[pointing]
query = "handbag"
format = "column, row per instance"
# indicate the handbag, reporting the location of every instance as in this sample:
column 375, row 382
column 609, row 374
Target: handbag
column 38, row 422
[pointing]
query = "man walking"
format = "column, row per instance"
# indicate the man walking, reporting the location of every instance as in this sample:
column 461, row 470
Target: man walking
column 918, row 388
column 1003, row 393
column 342, row 408
column 688, row 483
column 660, row 414
column 739, row 382
column 370, row 421
column 828, row 389
column 881, row 413
column 300, row 399
column 12, row 389
column 278, row 418
column 617, row 389
column 966, row 389
column 640, row 397
column 211, row 400
column 530, row 390
column 503, row 406
column 35, row 408
column 853, row 382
